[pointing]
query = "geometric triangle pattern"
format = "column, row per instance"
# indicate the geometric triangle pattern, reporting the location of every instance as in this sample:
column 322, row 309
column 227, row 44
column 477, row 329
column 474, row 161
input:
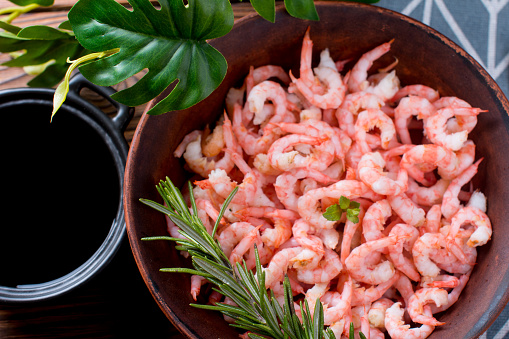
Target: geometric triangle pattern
column 480, row 27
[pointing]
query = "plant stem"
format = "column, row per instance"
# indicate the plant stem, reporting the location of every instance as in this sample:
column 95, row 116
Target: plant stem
column 14, row 12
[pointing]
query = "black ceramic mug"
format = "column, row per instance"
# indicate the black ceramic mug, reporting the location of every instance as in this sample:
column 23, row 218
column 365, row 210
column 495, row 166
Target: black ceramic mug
column 62, row 189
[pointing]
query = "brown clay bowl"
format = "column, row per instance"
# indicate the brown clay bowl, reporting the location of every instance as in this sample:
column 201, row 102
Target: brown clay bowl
column 348, row 30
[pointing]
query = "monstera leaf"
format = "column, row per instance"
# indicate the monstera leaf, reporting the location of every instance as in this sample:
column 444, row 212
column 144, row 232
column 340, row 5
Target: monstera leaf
column 171, row 43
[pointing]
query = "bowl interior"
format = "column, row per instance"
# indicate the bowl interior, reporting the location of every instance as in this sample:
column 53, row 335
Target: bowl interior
column 348, row 30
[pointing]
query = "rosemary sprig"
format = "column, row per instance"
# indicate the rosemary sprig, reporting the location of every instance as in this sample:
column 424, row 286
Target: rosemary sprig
column 257, row 309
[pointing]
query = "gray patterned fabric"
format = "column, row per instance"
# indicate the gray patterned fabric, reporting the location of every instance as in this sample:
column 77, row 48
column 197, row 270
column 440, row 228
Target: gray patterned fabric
column 481, row 28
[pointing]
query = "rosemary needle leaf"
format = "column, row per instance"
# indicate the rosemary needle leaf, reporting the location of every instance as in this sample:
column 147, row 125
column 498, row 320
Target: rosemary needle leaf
column 269, row 314
column 218, row 271
column 163, row 237
column 185, row 270
column 233, row 311
column 249, row 281
column 241, row 301
column 223, row 209
column 156, row 206
column 318, row 320
column 295, row 324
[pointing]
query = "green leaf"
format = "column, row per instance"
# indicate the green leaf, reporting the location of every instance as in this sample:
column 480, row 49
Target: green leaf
column 355, row 204
column 344, row 202
column 303, row 9
column 171, row 43
column 352, row 215
column 66, row 25
column 41, row 45
column 318, row 321
column 29, row 2
column 63, row 88
column 9, row 28
column 333, row 213
column 40, row 32
column 265, row 8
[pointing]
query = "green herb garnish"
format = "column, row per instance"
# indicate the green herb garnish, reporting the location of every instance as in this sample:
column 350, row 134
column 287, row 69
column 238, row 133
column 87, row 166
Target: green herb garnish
column 334, row 212
column 257, row 310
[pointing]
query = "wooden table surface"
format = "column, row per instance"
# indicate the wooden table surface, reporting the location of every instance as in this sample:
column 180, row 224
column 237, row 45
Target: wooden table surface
column 115, row 303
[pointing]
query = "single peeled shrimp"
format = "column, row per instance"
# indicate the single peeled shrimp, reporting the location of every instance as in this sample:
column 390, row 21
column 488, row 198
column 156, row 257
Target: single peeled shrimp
column 267, row 90
column 371, row 172
column 453, row 295
column 354, row 103
column 197, row 281
column 407, row 210
column 397, row 328
column 450, row 202
column 436, row 127
column 302, row 232
column 213, row 143
column 433, row 220
column 279, row 264
column 384, row 84
column 337, row 305
column 427, row 248
column 427, row 196
column 328, row 90
column 423, row 91
column 408, row 107
column 266, row 72
column 244, row 246
column 357, row 80
column 284, row 160
column 360, row 269
column 374, row 220
column 460, row 122
column 472, row 216
column 418, row 302
column 398, row 258
column 369, row 119
column 432, row 156
column 232, row 235
column 376, row 314
column 328, row 268
column 367, row 295
column 201, row 164
column 281, row 232
column 223, row 185
column 285, row 184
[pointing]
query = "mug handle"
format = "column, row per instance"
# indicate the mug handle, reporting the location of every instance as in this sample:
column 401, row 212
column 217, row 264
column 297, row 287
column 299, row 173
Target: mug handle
column 124, row 113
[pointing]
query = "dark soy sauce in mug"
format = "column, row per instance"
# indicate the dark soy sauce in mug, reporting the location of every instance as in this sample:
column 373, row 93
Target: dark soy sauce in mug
column 60, row 193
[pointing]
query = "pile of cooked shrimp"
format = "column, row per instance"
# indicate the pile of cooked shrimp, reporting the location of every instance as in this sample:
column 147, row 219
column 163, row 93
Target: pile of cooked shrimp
column 295, row 146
